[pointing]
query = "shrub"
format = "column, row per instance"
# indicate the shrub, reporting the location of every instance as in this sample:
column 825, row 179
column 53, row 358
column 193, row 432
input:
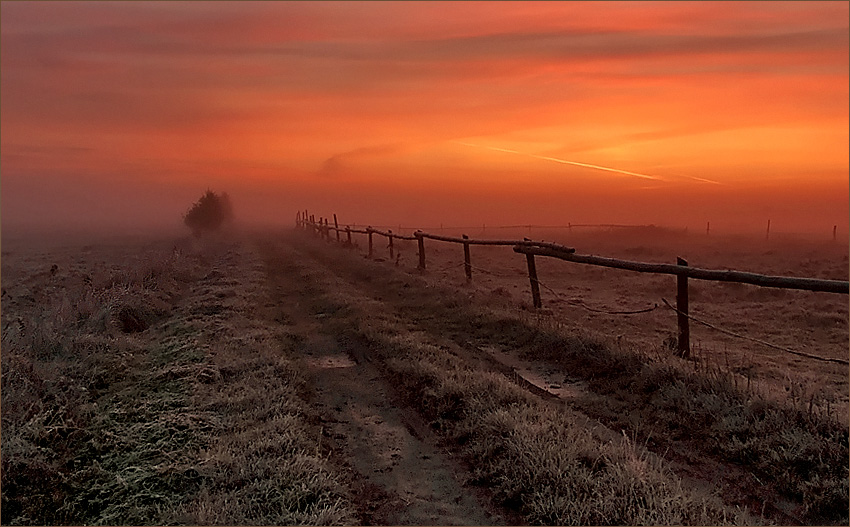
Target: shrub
column 209, row 213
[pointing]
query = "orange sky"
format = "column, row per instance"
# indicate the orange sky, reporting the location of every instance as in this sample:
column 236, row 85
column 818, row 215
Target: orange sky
column 429, row 112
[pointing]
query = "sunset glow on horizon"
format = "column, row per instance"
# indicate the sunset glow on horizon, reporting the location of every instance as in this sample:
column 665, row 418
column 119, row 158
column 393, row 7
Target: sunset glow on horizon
column 422, row 113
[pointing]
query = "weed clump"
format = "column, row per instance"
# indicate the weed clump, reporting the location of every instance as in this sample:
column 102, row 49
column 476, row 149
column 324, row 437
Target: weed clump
column 131, row 319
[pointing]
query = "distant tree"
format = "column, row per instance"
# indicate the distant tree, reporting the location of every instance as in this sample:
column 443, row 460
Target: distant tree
column 209, row 213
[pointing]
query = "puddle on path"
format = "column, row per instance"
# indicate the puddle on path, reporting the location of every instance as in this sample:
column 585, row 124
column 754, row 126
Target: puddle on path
column 331, row 361
column 555, row 382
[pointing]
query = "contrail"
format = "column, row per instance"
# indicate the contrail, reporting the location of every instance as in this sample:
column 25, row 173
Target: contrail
column 704, row 180
column 565, row 162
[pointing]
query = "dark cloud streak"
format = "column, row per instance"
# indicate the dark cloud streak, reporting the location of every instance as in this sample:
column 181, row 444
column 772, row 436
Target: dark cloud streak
column 336, row 164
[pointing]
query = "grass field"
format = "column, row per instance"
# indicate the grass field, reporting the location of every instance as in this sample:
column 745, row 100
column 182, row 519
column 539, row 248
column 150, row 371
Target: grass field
column 139, row 388
column 273, row 378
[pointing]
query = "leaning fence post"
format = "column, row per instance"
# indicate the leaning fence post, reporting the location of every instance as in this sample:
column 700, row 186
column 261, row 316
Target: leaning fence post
column 391, row 243
column 348, row 232
column 336, row 226
column 532, row 277
column 369, row 232
column 683, row 347
column 466, row 263
column 418, row 235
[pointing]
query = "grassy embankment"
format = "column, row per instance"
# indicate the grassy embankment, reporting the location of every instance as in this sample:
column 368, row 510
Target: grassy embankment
column 148, row 392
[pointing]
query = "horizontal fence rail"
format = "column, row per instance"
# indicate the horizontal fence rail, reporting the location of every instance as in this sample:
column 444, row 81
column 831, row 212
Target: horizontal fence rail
column 784, row 282
column 471, row 241
column 531, row 248
column 451, row 239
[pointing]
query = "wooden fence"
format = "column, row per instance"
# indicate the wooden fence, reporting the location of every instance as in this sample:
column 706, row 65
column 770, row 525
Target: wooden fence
column 532, row 248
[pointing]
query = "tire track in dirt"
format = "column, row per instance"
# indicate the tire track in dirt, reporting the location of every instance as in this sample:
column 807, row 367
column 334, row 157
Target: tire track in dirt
column 398, row 473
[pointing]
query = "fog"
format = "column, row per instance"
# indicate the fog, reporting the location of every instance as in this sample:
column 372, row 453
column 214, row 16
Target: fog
column 65, row 206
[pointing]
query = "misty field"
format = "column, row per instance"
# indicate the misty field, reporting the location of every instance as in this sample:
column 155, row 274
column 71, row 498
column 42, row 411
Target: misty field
column 277, row 378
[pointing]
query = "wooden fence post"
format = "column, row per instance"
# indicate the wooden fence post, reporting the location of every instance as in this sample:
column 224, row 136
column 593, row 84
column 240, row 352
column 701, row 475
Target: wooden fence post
column 767, row 234
column 466, row 263
column 707, row 227
column 348, row 232
column 369, row 232
column 421, row 240
column 532, row 277
column 298, row 219
column 683, row 347
column 391, row 243
column 834, row 229
column 336, row 226
column 313, row 224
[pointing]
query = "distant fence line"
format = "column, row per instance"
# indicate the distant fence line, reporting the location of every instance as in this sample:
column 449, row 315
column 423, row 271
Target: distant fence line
column 531, row 248
column 570, row 226
column 528, row 226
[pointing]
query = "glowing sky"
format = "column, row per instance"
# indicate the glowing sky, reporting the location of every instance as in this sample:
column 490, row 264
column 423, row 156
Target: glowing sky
column 428, row 112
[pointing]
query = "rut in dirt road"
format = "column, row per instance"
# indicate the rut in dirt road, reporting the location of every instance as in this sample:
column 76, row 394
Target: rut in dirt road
column 399, row 475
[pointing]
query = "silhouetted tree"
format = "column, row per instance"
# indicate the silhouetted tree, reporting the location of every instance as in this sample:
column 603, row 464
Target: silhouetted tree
column 209, row 213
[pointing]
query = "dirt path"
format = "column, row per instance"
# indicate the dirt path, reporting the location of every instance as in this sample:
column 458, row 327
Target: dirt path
column 399, row 474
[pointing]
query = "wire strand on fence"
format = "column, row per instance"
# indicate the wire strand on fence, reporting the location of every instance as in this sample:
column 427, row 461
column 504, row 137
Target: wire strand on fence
column 759, row 341
column 492, row 273
column 447, row 267
column 580, row 303
column 572, row 301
